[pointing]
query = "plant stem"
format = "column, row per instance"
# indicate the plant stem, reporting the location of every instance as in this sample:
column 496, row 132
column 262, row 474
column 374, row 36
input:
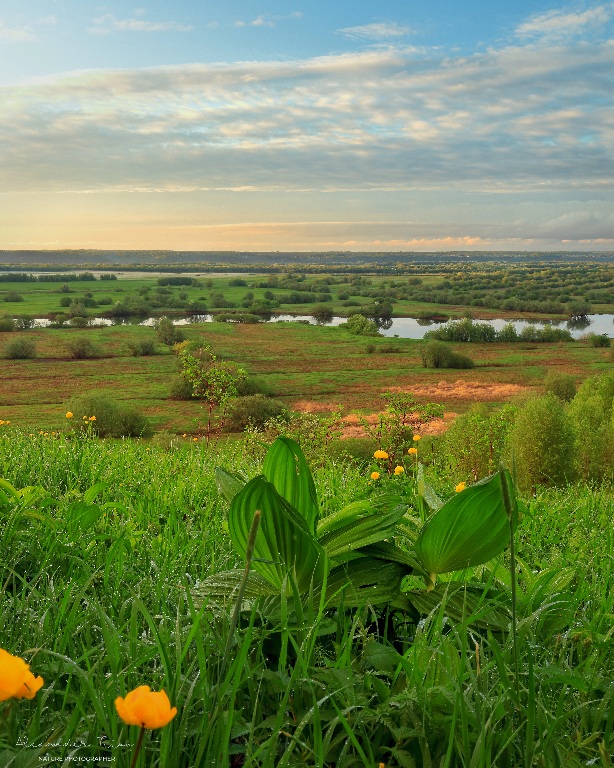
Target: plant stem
column 137, row 749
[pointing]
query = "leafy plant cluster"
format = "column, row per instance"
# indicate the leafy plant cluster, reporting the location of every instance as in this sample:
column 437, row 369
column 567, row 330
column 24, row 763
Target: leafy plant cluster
column 468, row 330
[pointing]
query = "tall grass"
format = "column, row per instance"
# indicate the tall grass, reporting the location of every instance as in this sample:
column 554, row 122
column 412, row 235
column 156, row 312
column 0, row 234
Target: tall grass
column 97, row 574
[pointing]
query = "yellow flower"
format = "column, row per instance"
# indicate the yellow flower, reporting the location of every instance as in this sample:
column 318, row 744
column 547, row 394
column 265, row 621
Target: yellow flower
column 461, row 487
column 416, row 438
column 7, row 422
column 195, row 439
column 380, row 455
column 412, row 451
column 69, row 415
column 374, row 475
column 144, row 707
column 399, row 470
column 1, row 422
column 16, row 680
column 185, row 434
column 92, row 418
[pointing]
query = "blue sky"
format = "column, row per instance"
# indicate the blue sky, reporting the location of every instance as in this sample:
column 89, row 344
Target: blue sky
column 307, row 126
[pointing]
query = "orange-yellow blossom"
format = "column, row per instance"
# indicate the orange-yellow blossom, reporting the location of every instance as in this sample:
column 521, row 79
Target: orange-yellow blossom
column 380, row 455
column 416, row 438
column 412, row 451
column 69, row 415
column 374, row 475
column 16, row 680
column 146, row 708
column 461, row 487
column 399, row 470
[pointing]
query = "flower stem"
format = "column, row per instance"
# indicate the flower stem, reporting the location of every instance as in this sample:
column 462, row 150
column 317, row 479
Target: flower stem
column 137, row 749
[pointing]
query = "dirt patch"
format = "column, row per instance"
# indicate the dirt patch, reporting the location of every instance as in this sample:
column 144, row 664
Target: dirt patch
column 352, row 426
column 309, row 406
column 464, row 390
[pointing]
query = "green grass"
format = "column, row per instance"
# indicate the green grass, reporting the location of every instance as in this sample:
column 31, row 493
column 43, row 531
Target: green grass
column 96, row 596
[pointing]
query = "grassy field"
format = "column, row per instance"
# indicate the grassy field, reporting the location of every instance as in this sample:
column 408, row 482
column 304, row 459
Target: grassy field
column 98, row 571
column 307, row 367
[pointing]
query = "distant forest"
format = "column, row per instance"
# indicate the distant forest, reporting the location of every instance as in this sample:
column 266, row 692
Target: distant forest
column 334, row 261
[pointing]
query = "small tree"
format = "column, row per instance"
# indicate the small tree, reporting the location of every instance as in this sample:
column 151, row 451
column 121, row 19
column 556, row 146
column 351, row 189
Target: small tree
column 213, row 381
column 359, row 325
column 167, row 333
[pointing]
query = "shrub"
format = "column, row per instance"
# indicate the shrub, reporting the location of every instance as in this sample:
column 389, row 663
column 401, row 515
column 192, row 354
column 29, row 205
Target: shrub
column 542, row 441
column 359, row 325
column 437, row 354
column 7, row 324
column 254, row 386
column 322, row 314
column 167, row 333
column 560, row 384
column 142, row 348
column 20, row 349
column 113, row 419
column 592, row 416
column 253, row 410
column 181, row 389
column 12, row 296
column 599, row 340
column 79, row 322
column 81, row 348
column 358, row 449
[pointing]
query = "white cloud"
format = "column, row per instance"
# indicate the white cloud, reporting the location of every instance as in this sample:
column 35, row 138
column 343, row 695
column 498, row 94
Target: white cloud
column 108, row 23
column 558, row 24
column 259, row 21
column 16, row 34
column 376, row 31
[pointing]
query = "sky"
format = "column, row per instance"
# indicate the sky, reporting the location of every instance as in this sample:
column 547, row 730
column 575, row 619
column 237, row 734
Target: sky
column 275, row 125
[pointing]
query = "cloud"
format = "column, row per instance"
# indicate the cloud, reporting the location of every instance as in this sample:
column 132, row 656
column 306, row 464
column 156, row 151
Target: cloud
column 558, row 24
column 259, row 21
column 16, row 34
column 376, row 31
column 108, row 23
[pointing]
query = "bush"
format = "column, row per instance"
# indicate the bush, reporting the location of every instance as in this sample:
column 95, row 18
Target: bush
column 20, row 349
column 358, row 449
column 254, row 411
column 12, row 296
column 181, row 389
column 543, row 443
column 254, row 386
column 113, row 419
column 167, row 333
column 142, row 348
column 359, row 325
column 436, row 354
column 82, row 348
column 592, row 416
column 599, row 340
column 560, row 384
column 7, row 324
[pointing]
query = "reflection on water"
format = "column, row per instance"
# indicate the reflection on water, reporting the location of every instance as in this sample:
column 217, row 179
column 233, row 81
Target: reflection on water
column 402, row 327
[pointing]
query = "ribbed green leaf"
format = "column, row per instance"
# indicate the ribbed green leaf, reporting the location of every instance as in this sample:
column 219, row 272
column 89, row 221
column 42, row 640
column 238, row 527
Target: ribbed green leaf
column 385, row 550
column 356, row 511
column 471, row 528
column 222, row 588
column 228, row 485
column 286, row 467
column 427, row 493
column 476, row 604
column 284, row 543
column 365, row 581
column 359, row 533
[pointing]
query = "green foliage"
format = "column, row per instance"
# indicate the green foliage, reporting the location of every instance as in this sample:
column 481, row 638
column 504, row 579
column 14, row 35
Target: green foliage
column 142, row 348
column 20, row 349
column 12, row 296
column 82, row 348
column 599, row 340
column 167, row 333
column 322, row 313
column 560, row 384
column 543, row 443
column 475, row 442
column 436, row 354
column 359, row 325
column 252, row 385
column 313, row 433
column 253, row 410
column 113, row 419
column 7, row 324
column 592, row 415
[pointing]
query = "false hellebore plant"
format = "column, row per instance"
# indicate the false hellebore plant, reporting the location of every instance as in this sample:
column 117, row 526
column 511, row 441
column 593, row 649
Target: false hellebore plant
column 360, row 554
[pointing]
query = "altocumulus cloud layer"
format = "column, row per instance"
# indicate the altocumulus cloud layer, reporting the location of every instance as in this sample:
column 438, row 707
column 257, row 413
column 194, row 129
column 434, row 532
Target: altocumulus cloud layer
column 534, row 116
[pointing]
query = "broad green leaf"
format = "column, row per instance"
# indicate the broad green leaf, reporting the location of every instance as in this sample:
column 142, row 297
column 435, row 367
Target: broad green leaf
column 385, row 550
column 476, row 604
column 427, row 493
column 365, row 581
column 356, row 511
column 228, row 485
column 222, row 588
column 284, row 544
column 361, row 532
column 286, row 467
column 91, row 493
column 470, row 529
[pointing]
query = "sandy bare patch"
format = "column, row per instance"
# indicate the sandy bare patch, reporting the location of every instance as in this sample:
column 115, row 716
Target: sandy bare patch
column 307, row 406
column 352, row 426
column 463, row 390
